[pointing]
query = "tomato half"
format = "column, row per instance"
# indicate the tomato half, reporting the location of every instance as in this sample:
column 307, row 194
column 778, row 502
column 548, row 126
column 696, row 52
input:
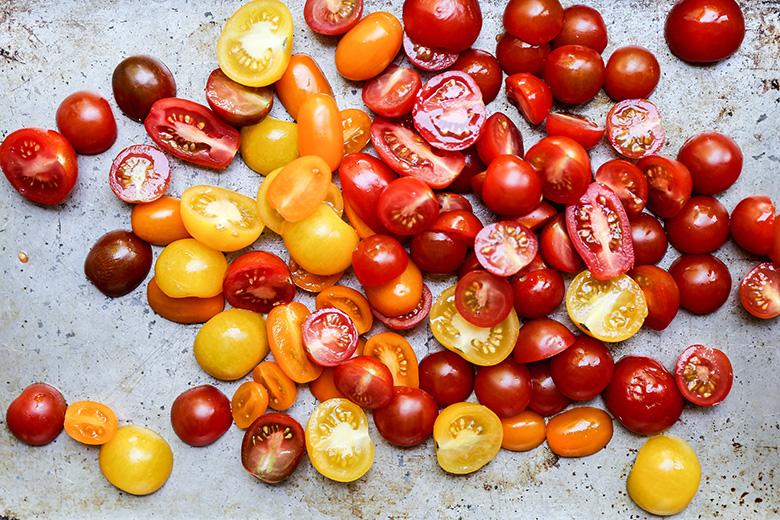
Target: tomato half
column 90, row 422
column 759, row 290
column 282, row 391
column 183, row 310
column 332, row 18
column 219, row 218
column 407, row 206
column 577, row 127
column 628, row 183
column 235, row 103
column 140, row 173
column 356, row 124
column 540, row 339
column 669, row 184
column 661, row 293
column 409, row 319
column 531, row 95
column 298, row 190
column 272, row 447
column 330, row 336
column 483, row 298
column 428, row 58
column 284, row 324
column 350, row 301
column 500, row 137
column 392, row 93
column 397, row 354
column 258, row 281
column 634, row 128
column 467, row 436
column 503, row 248
column 703, row 375
column 564, row 166
column 249, row 401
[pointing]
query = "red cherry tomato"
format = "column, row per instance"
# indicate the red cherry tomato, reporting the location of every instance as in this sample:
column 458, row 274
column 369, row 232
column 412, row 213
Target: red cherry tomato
column 702, row 31
column 393, row 92
column 634, row 128
column 632, row 73
column 546, row 399
column 582, row 25
column 701, row 226
column 407, row 206
column 330, row 337
column 447, row 377
column 37, row 415
column 428, row 58
column 534, row 21
column 575, row 73
column 460, row 224
column 86, row 121
column 512, row 186
column 703, row 375
column 537, row 217
column 500, row 137
column 541, row 338
column 138, row 82
column 537, row 293
column 514, row 55
column 484, row 69
column 201, row 415
column 452, row 201
column 437, row 252
column 140, row 173
column 505, row 388
column 531, row 95
column 503, row 248
column 363, row 178
column 714, row 160
column 564, row 167
column 556, row 247
column 753, row 223
column 272, row 447
column 237, row 104
column 759, row 291
column 650, row 243
column 408, row 418
column 704, row 282
column 483, row 299
column 452, row 24
column 378, row 259
column 669, row 185
column 661, row 294
column 258, row 281
column 332, row 18
column 365, row 381
column 582, row 371
column 628, row 183
column 576, row 127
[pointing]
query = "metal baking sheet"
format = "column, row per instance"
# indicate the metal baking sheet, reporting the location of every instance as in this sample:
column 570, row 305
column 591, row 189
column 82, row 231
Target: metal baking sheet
column 56, row 327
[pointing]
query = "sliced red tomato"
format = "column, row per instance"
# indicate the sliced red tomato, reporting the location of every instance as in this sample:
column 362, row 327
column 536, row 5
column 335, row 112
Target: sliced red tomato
column 407, row 153
column 410, row 319
column 363, row 178
column 330, row 336
column 531, row 95
column 703, row 375
column 577, row 127
column 460, row 224
column 272, row 447
column 449, row 112
column 537, row 217
column 541, row 338
column 634, row 128
column 407, row 206
column 258, row 281
column 392, row 93
column 428, row 58
column 564, row 166
column 669, row 184
column 556, row 246
column 599, row 229
column 192, row 132
column 759, row 290
column 331, row 18
column 235, row 103
column 500, row 137
column 140, row 173
column 503, row 248
column 628, row 183
column 483, row 298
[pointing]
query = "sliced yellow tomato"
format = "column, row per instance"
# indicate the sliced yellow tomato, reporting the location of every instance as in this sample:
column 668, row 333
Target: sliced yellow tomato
column 299, row 189
column 337, row 440
column 270, row 217
column 256, row 43
column 188, row 268
column 467, row 436
column 482, row 346
column 221, row 219
column 609, row 310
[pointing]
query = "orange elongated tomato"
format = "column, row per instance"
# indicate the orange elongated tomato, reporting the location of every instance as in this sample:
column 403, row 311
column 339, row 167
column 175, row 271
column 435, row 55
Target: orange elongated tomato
column 285, row 337
column 298, row 190
column 302, row 78
column 579, row 432
column 369, row 47
column 183, row 310
column 319, row 129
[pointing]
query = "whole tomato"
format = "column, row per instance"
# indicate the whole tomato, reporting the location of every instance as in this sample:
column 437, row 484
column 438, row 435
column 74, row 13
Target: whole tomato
column 37, row 416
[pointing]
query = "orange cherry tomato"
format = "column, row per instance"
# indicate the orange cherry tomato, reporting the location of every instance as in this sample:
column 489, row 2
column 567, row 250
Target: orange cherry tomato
column 350, row 301
column 356, row 126
column 393, row 350
column 323, row 388
column 285, row 337
column 249, row 402
column 319, row 129
column 579, row 432
column 311, row 282
column 361, row 227
column 369, row 47
column 159, row 222
column 398, row 296
column 302, row 78
column 298, row 190
column 89, row 422
column 525, row 431
column 282, row 391
column 183, row 310
column 335, row 200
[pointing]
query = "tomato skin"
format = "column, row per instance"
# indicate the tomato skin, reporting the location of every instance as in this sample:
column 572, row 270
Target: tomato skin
column 392, row 93
column 484, row 68
column 661, row 293
column 650, row 242
column 140, row 160
column 319, row 129
column 575, row 73
column 183, row 310
column 90, row 422
column 701, row 226
column 557, row 248
column 582, row 25
column 86, row 121
column 500, row 137
column 643, row 396
column 531, row 95
column 363, row 179
column 37, row 415
column 537, row 293
column 272, row 447
column 525, row 431
column 188, row 268
column 504, row 388
column 407, row 206
column 407, row 420
column 632, row 72
column 398, row 296
column 324, row 17
column 628, row 183
column 453, row 25
column 753, row 223
column 759, row 289
column 236, row 104
column 669, row 184
column 534, row 21
column 461, row 224
column 201, row 415
column 231, row 344
column 512, row 186
column 540, row 339
column 704, row 31
column 714, row 160
column 137, row 460
column 546, row 399
column 118, row 262
column 258, row 281
column 299, row 188
column 514, row 55
column 40, row 164
column 268, row 145
column 564, row 166
column 704, row 282
column 447, row 377
column 323, row 388
column 138, row 82
column 356, row 124
column 378, row 259
column 579, row 432
column 285, row 338
column 365, row 381
column 576, row 127
column 634, row 128
column 350, row 301
column 369, row 47
column 410, row 319
column 582, row 371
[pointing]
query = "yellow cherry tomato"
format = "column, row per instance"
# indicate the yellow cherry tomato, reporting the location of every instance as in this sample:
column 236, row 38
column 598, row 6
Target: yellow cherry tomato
column 188, row 268
column 268, row 145
column 221, row 219
column 319, row 129
column 231, row 344
column 136, row 460
column 467, row 436
column 369, row 47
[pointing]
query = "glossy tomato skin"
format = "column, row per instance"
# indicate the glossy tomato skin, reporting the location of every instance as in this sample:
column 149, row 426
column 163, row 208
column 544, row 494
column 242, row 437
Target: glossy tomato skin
column 272, row 447
column 759, row 289
column 575, row 73
column 500, row 137
column 546, row 399
column 752, row 224
column 534, row 21
column 661, row 293
column 579, row 128
column 437, row 252
column 378, row 259
column 369, row 46
column 701, row 226
column 125, row 168
column 505, row 388
column 579, row 432
column 138, row 82
column 392, row 93
column 236, row 104
column 325, row 17
column 461, row 224
column 37, row 415
column 556, row 246
column 538, row 293
column 86, row 121
column 583, row 370
column 628, row 183
column 400, row 295
column 453, row 24
column 363, row 179
column 541, row 338
column 320, row 130
column 407, row 206
column 136, row 460
column 714, row 160
column 483, row 299
column 40, row 164
column 632, row 72
column 582, row 25
column 365, row 381
column 514, row 55
column 703, row 375
column 531, row 95
column 704, row 282
column 643, row 396
column 302, row 78
column 669, row 184
column 118, row 262
column 258, row 281
column 201, row 415
column 409, row 319
column 703, row 31
column 564, row 166
column 512, row 186
column 407, row 420
column 447, row 377
column 634, row 128
column 484, row 68
column 428, row 58
column 650, row 242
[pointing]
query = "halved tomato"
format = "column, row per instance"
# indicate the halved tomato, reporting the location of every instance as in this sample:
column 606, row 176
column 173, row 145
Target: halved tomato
column 397, row 354
column 219, row 218
column 285, row 338
column 574, row 126
column 669, row 184
column 503, row 248
column 350, row 301
column 393, row 92
column 235, row 103
column 258, row 281
column 627, row 181
column 634, row 128
column 332, row 18
column 428, row 58
column 467, row 436
column 311, row 282
column 282, row 391
column 140, row 173
column 531, row 95
column 483, row 298
column 355, row 123
column 410, row 319
column 330, row 336
column 298, row 190
column 759, row 290
column 703, row 375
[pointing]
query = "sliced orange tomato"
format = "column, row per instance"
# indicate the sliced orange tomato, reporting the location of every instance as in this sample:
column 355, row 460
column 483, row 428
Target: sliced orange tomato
column 159, row 222
column 335, row 199
column 188, row 268
column 282, row 391
column 302, row 78
column 360, row 226
column 323, row 388
column 350, row 301
column 319, row 129
column 270, row 217
column 393, row 350
column 311, row 282
column 398, row 296
column 249, row 402
column 467, row 436
column 356, row 126
column 221, row 219
column 285, row 337
column 183, row 310
column 256, row 43
column 90, row 422
column 299, row 189
column 524, row 431
column 579, row 432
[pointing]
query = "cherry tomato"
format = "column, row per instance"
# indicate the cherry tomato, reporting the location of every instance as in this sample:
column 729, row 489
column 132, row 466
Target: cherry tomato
column 255, row 45
column 319, row 129
column 582, row 25
column 534, row 21
column 503, row 248
column 564, row 166
column 258, row 281
column 397, row 354
column 514, row 55
column 753, row 223
column 192, row 132
column 661, row 293
column 525, row 431
column 272, row 447
column 701, row 226
column 505, row 388
column 759, row 290
column 410, row 319
column 484, row 69
column 137, row 460
column 537, row 293
column 714, row 160
column 632, row 72
column 140, row 173
column 483, row 299
column 392, row 93
column 583, row 370
column 188, row 268
column 579, row 432
column 634, row 128
column 329, row 336
column 183, row 310
column 369, row 46
column 669, row 184
column 447, row 377
column 282, row 391
column 643, row 396
column 90, row 422
column 531, row 95
column 268, row 145
column 453, row 25
column 461, row 224
column 118, row 262
column 237, row 104
column 321, row 243
column 363, row 179
column 628, row 183
column 219, row 218
column 557, row 249
column 300, row 187
column 541, row 338
column 40, row 164
column 703, row 31
column 500, row 137
column 437, row 252
column 378, row 259
column 467, row 436
column 428, row 58
column 546, row 399
column 356, row 124
column 703, row 375
column 301, row 79
column 285, row 339
column 323, row 387
column 575, row 73
column 86, row 121
column 37, row 415
column 332, row 18
column 365, row 381
column 249, row 402
column 576, row 127
column 407, row 420
column 201, row 415
column 138, row 82
column 650, row 242
column 231, row 344
column 350, row 301
column 407, row 206
column 704, row 282
column 400, row 295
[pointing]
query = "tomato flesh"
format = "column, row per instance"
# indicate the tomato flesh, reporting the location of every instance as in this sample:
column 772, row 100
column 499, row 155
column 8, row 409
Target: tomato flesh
column 272, row 447
column 703, row 375
column 140, row 173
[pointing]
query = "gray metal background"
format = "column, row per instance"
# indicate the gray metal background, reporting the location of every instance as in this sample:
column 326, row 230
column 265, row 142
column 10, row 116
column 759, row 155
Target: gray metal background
column 56, row 327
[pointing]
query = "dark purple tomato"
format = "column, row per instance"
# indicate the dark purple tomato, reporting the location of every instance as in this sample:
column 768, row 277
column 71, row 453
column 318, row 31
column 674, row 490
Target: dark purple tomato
column 118, row 262
column 139, row 81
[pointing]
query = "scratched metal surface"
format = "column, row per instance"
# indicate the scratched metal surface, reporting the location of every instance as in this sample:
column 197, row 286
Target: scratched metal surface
column 56, row 327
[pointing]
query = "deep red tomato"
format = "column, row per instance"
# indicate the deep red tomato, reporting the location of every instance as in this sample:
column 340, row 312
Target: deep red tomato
column 628, row 183
column 258, row 281
column 643, row 396
column 537, row 217
column 40, row 164
column 428, row 58
column 483, row 298
column 407, row 206
column 363, row 178
column 669, row 184
column 378, row 259
column 447, row 377
column 201, row 415
column 582, row 25
column 37, row 415
column 332, row 18
column 452, row 24
column 703, row 375
column 704, row 282
column 531, row 95
column 484, row 69
column 702, row 31
column 632, row 73
column 564, row 166
column 774, row 248
column 534, row 21
column 272, row 447
column 330, row 337
column 514, row 55
column 472, row 167
column 753, row 223
column 437, row 252
column 541, row 338
column 556, row 247
column 449, row 112
column 118, row 262
column 140, row 173
column 138, row 82
column 582, row 371
column 410, row 319
column 365, row 381
column 538, row 293
column 759, row 291
column 237, row 104
column 400, row 146
column 576, row 127
column 546, row 399
column 505, row 388
column 460, row 224
column 634, row 128
column 575, row 73
column 192, row 132
column 453, row 201
column 650, row 243
column 701, row 226
column 408, row 418
column 503, row 248
column 392, row 93
column 512, row 186
column 714, row 160
column 661, row 294
column 500, row 137
column 599, row 230
column 86, row 121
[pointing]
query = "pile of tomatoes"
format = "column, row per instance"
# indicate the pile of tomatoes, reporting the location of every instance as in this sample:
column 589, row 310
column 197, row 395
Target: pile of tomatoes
column 406, row 215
